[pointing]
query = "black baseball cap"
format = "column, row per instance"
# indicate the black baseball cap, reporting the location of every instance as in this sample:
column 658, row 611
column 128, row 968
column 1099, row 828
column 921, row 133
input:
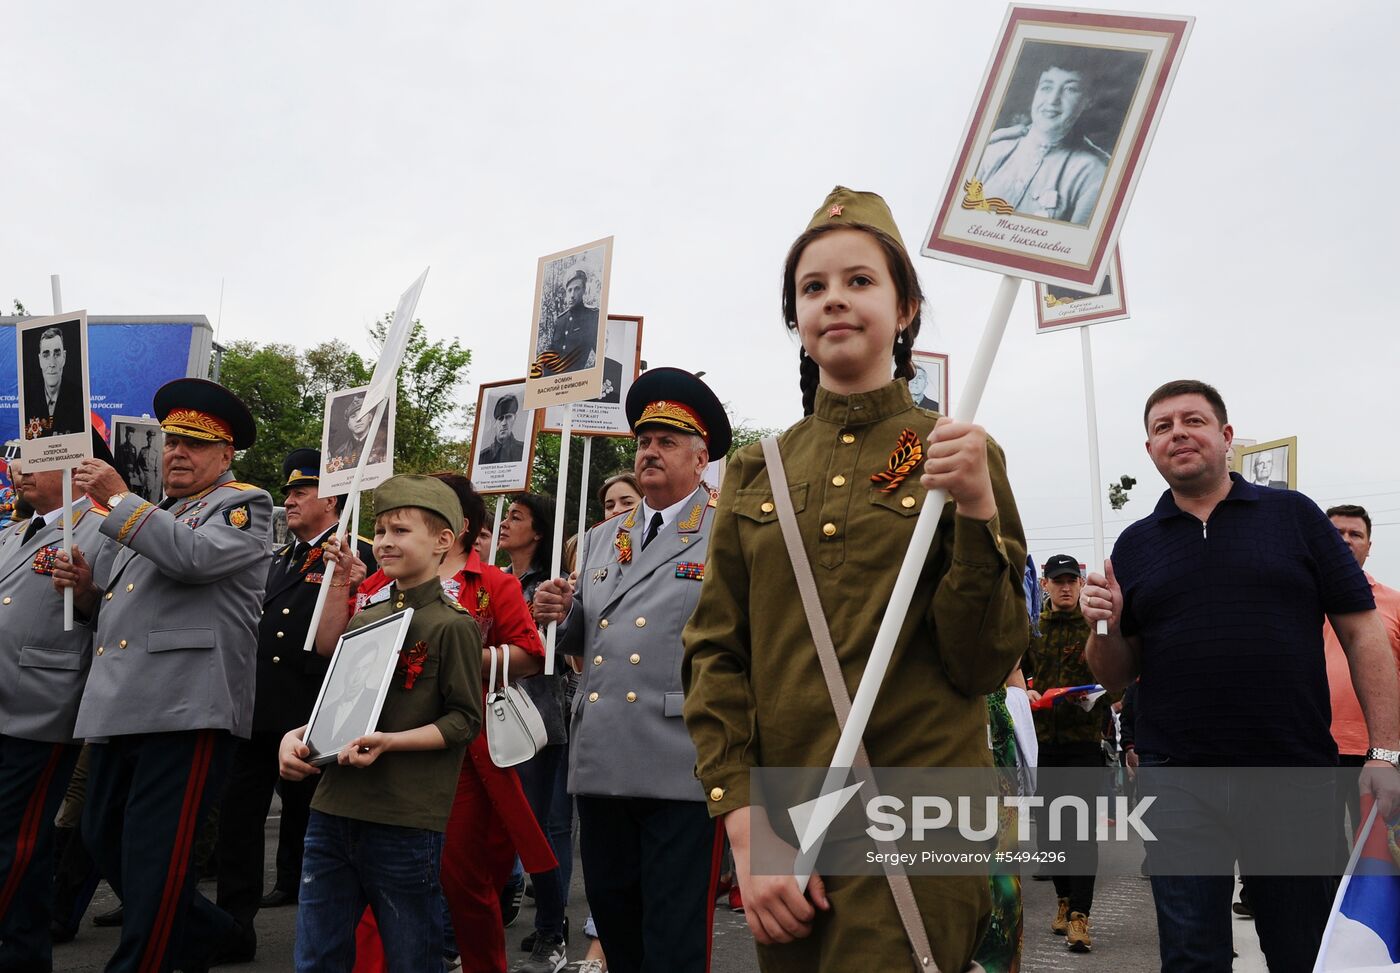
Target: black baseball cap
column 1060, row 565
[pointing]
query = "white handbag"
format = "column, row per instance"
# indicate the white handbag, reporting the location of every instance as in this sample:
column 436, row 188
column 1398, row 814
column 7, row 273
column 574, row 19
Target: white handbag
column 514, row 730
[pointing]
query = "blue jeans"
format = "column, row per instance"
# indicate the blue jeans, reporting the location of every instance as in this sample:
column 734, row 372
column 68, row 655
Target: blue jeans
column 544, row 779
column 349, row 864
column 1211, row 822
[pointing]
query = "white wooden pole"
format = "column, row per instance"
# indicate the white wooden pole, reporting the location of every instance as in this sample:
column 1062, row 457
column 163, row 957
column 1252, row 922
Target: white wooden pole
column 496, row 528
column 341, row 529
column 583, row 486
column 556, row 559
column 1095, row 487
column 897, row 608
column 67, row 512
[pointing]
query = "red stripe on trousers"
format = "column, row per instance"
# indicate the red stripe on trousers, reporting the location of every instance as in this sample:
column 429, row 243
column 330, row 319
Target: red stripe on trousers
column 28, row 838
column 716, row 860
column 154, row 956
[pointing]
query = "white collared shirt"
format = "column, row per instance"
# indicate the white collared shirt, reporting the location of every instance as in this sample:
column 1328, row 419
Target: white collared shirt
column 667, row 515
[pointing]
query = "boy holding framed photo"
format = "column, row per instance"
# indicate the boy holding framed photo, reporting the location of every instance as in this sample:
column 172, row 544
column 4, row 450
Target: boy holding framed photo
column 377, row 821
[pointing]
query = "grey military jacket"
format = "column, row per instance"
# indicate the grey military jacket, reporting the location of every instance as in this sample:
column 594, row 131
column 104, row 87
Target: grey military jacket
column 42, row 667
column 626, row 736
column 177, row 620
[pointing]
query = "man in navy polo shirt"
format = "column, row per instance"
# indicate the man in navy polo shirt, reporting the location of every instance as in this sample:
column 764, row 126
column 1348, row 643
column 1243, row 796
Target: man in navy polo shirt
column 1216, row 600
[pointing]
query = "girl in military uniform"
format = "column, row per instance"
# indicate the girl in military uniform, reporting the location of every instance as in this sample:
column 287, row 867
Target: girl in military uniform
column 755, row 694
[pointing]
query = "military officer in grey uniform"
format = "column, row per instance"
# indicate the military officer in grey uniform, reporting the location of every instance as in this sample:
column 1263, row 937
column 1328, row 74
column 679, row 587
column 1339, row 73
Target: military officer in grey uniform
column 42, row 671
column 574, row 340
column 171, row 685
column 645, row 835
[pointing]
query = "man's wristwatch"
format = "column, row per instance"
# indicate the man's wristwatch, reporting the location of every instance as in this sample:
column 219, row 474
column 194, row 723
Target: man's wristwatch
column 115, row 499
column 1381, row 753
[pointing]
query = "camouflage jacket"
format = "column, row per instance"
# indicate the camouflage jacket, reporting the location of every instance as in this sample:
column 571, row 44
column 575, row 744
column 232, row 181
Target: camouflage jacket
column 1056, row 658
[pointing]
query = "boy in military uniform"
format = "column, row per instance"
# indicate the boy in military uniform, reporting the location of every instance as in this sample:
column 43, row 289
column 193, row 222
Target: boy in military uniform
column 378, row 817
column 288, row 680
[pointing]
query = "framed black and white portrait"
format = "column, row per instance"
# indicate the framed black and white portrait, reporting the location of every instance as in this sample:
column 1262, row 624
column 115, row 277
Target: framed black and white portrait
column 929, row 386
column 503, row 439
column 1058, row 307
column 353, row 690
column 343, row 434
column 137, row 446
column 566, row 334
column 1272, row 464
column 54, row 397
column 1057, row 137
column 622, row 363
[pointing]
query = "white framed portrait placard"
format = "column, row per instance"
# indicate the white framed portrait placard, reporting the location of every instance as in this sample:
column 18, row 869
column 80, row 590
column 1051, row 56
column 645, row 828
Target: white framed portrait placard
column 503, row 439
column 353, row 690
column 138, row 443
column 344, row 430
column 55, row 401
column 929, row 386
column 1056, row 141
column 566, row 340
column 1057, row 308
column 622, row 363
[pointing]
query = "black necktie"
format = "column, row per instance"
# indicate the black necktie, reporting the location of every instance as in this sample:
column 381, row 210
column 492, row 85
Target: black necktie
column 298, row 555
column 36, row 524
column 652, row 529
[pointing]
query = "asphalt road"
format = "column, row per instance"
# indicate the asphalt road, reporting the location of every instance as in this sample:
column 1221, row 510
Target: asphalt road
column 1123, row 927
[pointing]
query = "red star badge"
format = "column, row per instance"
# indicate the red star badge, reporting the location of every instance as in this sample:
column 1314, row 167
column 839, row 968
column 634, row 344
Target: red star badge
column 835, row 211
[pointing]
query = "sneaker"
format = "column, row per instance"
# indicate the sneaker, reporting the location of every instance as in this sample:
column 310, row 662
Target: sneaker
column 548, row 956
column 736, row 901
column 1077, row 937
column 527, row 945
column 1061, row 924
column 590, row 966
column 511, row 897
column 452, row 963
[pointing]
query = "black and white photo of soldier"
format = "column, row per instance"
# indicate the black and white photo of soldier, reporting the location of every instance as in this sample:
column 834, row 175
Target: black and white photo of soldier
column 53, row 390
column 924, row 389
column 138, row 448
column 348, row 428
column 573, row 335
column 1269, row 468
column 1057, row 128
column 503, row 439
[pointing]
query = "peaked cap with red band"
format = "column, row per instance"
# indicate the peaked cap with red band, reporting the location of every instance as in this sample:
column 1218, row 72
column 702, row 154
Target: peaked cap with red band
column 676, row 399
column 204, row 410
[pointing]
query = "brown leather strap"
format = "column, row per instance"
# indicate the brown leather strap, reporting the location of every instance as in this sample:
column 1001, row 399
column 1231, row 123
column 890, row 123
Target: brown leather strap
column 900, row 888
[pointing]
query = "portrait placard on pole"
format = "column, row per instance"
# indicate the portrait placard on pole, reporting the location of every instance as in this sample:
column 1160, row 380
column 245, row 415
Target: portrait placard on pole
column 1271, row 464
column 386, row 370
column 54, row 398
column 1059, row 307
column 503, row 439
column 344, row 431
column 1056, row 141
column 622, row 363
column 566, row 342
column 929, row 386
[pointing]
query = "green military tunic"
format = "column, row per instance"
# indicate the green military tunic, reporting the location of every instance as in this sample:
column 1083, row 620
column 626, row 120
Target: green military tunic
column 755, row 696
column 437, row 681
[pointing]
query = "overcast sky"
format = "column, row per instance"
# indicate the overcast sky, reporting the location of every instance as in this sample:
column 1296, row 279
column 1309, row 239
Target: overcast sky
column 316, row 157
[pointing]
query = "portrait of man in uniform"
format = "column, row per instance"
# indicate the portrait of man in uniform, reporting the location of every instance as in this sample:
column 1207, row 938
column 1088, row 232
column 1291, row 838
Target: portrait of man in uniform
column 53, row 386
column 1268, row 468
column 138, row 455
column 1060, row 120
column 573, row 335
column 505, row 444
column 929, row 386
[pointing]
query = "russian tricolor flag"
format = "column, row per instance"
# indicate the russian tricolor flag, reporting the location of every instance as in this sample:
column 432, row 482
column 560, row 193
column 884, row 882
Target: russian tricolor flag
column 1363, row 932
